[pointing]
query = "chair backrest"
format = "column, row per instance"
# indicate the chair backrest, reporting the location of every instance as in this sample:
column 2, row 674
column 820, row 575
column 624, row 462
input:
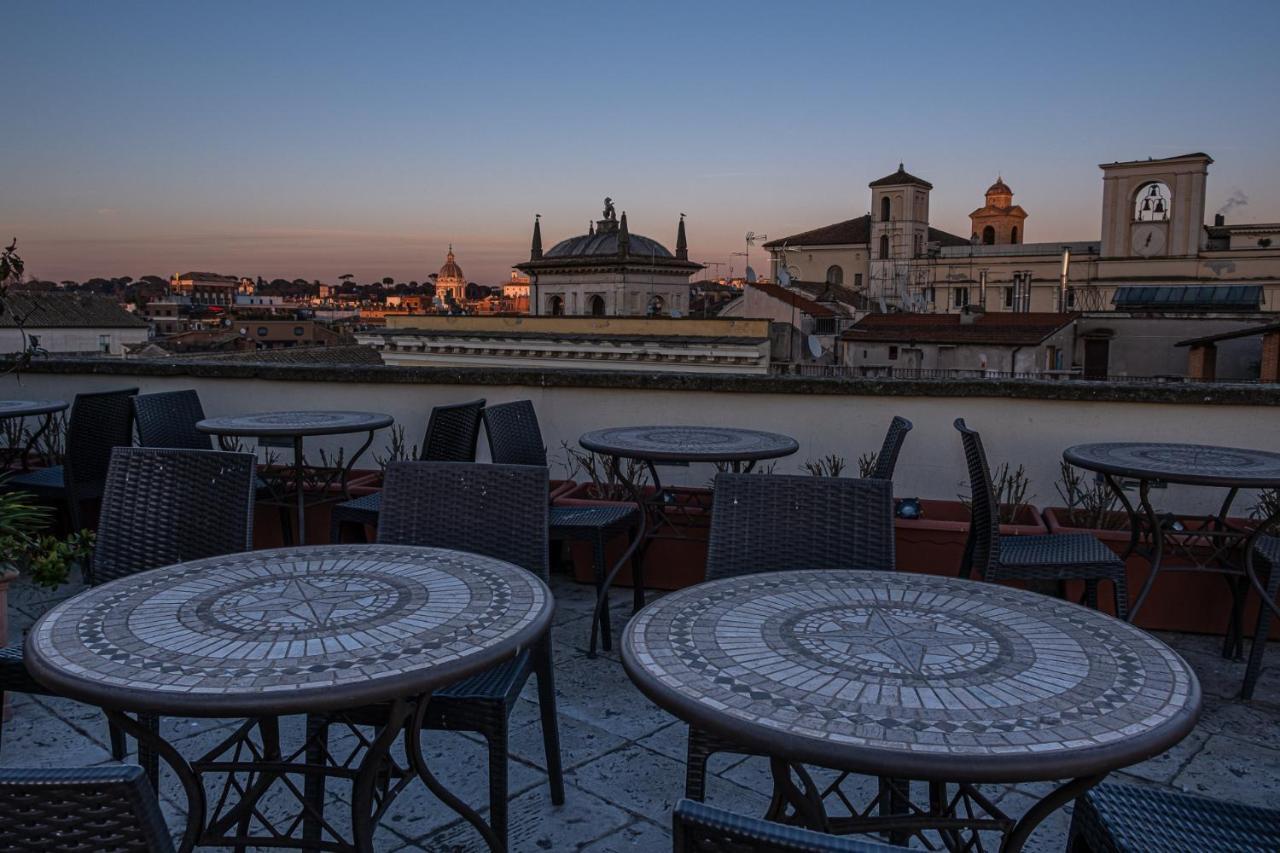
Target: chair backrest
column 499, row 511
column 514, row 436
column 163, row 506
column 700, row 828
column 452, row 433
column 80, row 810
column 983, row 545
column 98, row 422
column 169, row 419
column 887, row 458
column 774, row 522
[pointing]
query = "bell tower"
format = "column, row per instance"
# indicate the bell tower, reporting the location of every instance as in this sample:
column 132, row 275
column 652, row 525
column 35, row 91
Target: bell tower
column 899, row 232
column 1154, row 208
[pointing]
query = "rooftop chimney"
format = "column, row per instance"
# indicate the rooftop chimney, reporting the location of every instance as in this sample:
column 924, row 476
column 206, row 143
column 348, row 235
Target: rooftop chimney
column 1219, row 219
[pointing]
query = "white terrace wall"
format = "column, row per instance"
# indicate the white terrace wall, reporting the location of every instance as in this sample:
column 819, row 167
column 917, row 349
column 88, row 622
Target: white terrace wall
column 1031, row 432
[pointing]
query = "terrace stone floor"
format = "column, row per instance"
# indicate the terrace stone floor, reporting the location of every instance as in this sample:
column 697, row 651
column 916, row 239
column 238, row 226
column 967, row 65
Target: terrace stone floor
column 624, row 758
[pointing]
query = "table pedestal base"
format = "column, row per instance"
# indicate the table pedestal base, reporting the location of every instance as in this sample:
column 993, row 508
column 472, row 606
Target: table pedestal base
column 954, row 814
column 249, row 763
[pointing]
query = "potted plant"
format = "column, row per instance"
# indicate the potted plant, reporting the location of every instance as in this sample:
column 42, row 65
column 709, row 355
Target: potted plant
column 675, row 557
column 1182, row 601
column 930, row 535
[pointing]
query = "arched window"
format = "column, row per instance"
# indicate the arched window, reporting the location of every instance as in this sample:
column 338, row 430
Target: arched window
column 1013, row 235
column 1152, row 203
column 556, row 306
column 835, row 275
column 988, row 236
column 595, row 306
column 656, row 304
column 884, row 245
column 884, row 209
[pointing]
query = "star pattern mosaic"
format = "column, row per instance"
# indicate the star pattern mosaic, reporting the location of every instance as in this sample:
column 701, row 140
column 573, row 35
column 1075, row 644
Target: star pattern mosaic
column 298, row 619
column 691, row 443
column 888, row 660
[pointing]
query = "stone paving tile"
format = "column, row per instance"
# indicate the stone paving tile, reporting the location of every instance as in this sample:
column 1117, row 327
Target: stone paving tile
column 599, row 692
column 642, row 836
column 579, row 742
column 1255, row 721
column 1236, row 770
column 673, row 742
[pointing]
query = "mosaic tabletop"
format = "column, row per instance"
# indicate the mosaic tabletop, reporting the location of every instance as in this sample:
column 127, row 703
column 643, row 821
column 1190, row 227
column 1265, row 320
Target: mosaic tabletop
column 23, row 408
column 1180, row 463
column 288, row 630
column 911, row 675
column 295, row 423
column 689, row 443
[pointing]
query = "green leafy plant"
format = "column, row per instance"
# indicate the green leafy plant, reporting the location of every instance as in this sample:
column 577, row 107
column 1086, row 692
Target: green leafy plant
column 603, row 483
column 828, row 466
column 26, row 545
column 1091, row 505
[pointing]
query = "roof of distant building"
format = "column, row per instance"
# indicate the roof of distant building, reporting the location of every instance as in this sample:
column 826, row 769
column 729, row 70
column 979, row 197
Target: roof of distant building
column 208, row 276
column 900, row 177
column 67, row 310
column 606, row 244
column 1007, row 329
column 795, row 300
column 450, row 270
column 856, row 231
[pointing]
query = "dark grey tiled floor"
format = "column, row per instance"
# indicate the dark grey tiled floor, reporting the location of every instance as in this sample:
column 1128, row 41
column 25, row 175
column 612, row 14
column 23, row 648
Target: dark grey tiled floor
column 624, row 758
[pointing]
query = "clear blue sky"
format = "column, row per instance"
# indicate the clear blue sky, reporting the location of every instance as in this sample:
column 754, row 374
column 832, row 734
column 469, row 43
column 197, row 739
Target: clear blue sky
column 313, row 139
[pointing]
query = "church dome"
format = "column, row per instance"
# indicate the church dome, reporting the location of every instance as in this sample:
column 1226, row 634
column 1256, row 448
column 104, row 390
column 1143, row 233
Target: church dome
column 605, row 244
column 999, row 188
column 451, row 270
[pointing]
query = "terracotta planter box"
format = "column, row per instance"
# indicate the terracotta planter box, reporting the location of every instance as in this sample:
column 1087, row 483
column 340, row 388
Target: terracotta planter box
column 674, row 559
column 1180, row 601
column 934, row 543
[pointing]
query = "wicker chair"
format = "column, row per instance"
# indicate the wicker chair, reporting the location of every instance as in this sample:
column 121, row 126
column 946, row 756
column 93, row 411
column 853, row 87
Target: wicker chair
column 98, row 422
column 499, row 511
column 782, row 522
column 1114, row 818
column 887, row 458
column 452, row 434
column 80, row 810
column 1267, row 557
column 169, row 419
column 159, row 507
column 516, row 439
column 699, row 828
column 1048, row 557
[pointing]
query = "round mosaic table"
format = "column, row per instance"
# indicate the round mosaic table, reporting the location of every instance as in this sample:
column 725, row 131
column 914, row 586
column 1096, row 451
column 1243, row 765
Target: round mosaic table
column 737, row 449
column 1211, row 544
column 903, row 675
column 323, row 629
column 291, row 428
column 26, row 409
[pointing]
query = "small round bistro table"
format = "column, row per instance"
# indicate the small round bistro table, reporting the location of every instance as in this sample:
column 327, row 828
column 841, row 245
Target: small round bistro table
column 318, row 631
column 912, row 677
column 26, row 409
column 1210, row 545
column 289, row 429
column 737, row 449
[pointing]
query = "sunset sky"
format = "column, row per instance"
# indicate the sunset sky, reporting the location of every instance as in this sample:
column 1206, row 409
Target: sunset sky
column 311, row 140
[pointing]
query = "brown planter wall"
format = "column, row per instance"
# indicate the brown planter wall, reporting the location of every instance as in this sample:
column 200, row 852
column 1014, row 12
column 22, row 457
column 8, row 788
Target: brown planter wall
column 670, row 561
column 1180, row 601
column 934, row 544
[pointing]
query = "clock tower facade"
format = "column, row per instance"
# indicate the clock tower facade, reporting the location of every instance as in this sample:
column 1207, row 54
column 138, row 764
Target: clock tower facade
column 1154, row 208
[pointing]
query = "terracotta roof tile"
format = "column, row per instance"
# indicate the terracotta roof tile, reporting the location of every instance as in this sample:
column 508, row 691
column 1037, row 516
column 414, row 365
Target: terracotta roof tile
column 995, row 328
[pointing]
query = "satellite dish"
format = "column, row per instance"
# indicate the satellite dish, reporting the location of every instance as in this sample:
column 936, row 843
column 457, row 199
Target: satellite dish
column 676, row 314
column 815, row 348
column 784, row 277
column 884, row 309
column 751, row 275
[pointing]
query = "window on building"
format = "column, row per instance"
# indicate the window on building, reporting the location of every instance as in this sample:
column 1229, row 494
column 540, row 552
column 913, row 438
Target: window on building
column 104, row 343
column 1008, row 297
column 988, row 236
column 1152, row 203
column 893, row 353
column 857, row 279
column 959, row 297
column 1071, row 298
column 885, row 209
column 299, row 331
column 262, row 331
column 835, row 275
column 824, row 326
column 656, row 304
column 884, row 245
column 556, row 306
column 919, row 245
column 595, row 306
column 1013, row 235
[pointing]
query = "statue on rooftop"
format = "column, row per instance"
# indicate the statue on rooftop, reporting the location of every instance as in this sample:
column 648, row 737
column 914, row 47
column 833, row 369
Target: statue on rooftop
column 608, row 209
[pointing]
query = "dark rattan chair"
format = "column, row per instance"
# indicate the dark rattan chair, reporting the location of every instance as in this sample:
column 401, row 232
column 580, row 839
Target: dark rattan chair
column 516, row 439
column 699, row 828
column 169, row 419
column 1047, row 557
column 781, row 522
column 98, row 422
column 499, row 511
column 1266, row 558
column 887, row 458
column 452, row 434
column 159, row 507
column 80, row 810
column 1117, row 818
